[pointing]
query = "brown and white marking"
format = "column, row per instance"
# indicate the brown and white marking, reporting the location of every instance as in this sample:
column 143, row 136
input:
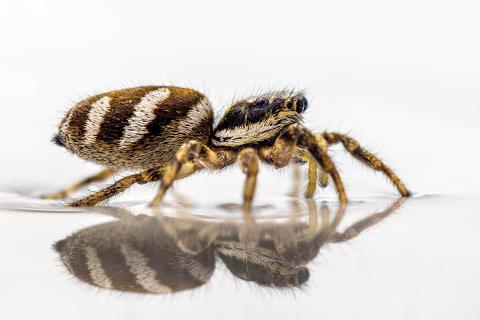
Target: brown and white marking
column 196, row 116
column 97, row 113
column 142, row 116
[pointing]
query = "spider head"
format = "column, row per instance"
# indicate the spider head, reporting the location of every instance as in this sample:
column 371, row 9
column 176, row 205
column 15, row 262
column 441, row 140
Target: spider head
column 259, row 118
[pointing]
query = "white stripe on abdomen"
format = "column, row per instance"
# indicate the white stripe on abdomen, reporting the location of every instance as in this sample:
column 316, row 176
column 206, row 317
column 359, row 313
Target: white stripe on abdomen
column 144, row 114
column 95, row 118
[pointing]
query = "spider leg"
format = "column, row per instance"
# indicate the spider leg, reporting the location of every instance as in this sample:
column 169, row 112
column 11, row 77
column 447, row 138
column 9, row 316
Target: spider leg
column 360, row 226
column 312, row 176
column 190, row 157
column 306, row 138
column 323, row 176
column 248, row 161
column 323, row 179
column 314, row 172
column 62, row 194
column 366, row 157
column 117, row 187
column 281, row 153
column 284, row 152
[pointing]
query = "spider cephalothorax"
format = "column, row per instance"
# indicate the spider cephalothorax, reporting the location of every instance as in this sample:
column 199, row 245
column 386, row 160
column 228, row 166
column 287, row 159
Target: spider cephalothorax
column 166, row 133
column 259, row 118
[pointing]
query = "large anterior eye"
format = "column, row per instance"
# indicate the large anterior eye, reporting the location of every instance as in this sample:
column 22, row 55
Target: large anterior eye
column 302, row 105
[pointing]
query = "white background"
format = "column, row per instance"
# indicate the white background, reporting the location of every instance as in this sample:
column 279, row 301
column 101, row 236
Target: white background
column 403, row 77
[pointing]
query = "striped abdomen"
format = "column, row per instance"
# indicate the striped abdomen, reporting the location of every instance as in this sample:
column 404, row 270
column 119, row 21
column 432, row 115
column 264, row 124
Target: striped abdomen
column 136, row 128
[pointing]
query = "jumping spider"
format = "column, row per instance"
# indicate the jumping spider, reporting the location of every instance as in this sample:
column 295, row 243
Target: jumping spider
column 167, row 133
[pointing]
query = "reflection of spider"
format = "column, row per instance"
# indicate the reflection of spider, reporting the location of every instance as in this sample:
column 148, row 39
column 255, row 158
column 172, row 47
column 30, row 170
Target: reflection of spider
column 165, row 254
column 167, row 133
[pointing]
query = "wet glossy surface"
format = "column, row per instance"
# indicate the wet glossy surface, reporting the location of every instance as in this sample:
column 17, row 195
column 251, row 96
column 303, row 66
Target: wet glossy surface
column 381, row 258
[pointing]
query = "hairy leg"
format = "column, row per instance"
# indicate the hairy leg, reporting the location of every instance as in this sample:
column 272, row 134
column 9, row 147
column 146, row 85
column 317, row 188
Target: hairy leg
column 101, row 176
column 323, row 176
column 312, row 177
column 285, row 151
column 191, row 152
column 281, row 153
column 323, row 179
column 366, row 157
column 314, row 172
column 316, row 146
column 117, row 187
column 248, row 161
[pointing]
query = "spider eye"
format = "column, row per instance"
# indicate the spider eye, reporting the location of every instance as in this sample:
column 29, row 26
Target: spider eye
column 302, row 105
column 260, row 103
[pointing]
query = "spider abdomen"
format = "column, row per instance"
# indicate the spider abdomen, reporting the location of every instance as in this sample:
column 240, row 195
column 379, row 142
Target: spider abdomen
column 136, row 128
